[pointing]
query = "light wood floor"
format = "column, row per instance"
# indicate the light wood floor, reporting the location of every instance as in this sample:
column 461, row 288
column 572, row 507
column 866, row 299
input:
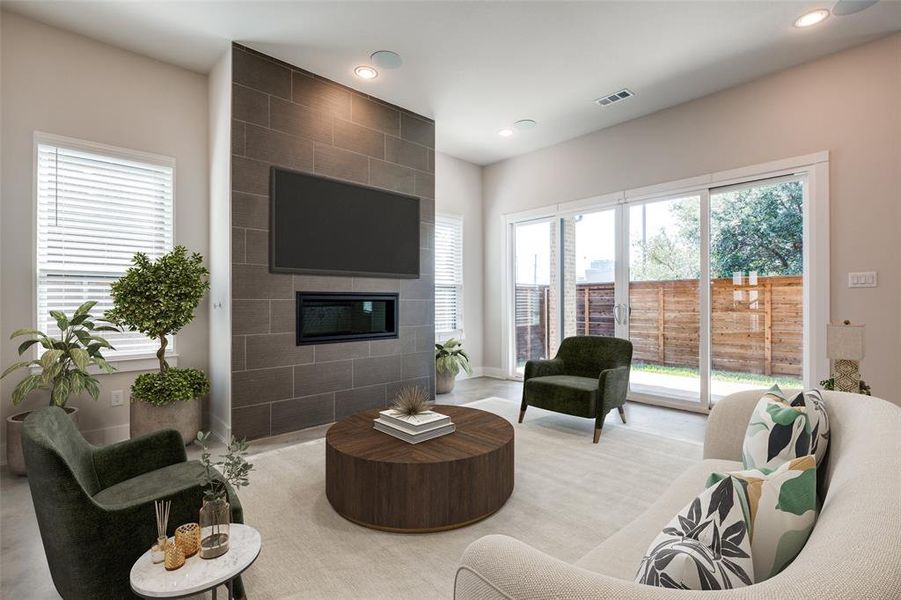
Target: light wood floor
column 23, row 567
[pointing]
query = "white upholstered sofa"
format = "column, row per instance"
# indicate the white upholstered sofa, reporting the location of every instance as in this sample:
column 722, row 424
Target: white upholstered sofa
column 854, row 552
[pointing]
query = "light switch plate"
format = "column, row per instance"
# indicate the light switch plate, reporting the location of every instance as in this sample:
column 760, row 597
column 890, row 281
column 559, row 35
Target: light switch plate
column 116, row 398
column 862, row 279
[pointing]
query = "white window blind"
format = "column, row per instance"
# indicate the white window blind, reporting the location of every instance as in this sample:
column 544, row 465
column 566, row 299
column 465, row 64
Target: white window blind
column 448, row 275
column 95, row 209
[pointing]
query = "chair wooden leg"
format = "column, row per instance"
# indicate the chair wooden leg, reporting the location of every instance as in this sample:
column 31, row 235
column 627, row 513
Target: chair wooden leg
column 597, row 434
column 522, row 413
column 622, row 413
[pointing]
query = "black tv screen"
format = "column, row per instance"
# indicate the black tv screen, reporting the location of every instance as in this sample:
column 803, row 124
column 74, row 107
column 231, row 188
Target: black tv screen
column 321, row 226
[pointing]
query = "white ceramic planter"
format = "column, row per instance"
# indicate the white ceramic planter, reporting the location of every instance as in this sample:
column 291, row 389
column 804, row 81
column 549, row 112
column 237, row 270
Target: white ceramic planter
column 184, row 416
column 444, row 382
column 15, row 456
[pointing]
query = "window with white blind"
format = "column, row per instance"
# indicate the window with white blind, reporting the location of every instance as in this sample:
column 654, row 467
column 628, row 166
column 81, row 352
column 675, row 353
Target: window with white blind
column 96, row 207
column 448, row 276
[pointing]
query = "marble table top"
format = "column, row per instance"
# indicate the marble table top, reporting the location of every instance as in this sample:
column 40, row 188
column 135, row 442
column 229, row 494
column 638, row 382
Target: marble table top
column 197, row 574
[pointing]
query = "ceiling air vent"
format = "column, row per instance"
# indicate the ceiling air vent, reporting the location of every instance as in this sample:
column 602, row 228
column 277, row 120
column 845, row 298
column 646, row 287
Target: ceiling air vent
column 614, row 97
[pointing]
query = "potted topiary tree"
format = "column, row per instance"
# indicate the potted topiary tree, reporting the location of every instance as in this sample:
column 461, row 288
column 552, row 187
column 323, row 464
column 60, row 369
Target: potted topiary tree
column 450, row 357
column 158, row 299
column 63, row 368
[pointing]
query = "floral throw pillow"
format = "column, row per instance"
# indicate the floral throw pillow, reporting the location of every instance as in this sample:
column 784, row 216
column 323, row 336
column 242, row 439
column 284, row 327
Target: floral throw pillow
column 780, row 507
column 705, row 547
column 783, row 429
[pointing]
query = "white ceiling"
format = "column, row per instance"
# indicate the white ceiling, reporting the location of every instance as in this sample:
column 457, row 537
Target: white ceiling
column 475, row 67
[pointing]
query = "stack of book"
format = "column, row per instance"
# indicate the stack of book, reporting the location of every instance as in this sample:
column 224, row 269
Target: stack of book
column 413, row 428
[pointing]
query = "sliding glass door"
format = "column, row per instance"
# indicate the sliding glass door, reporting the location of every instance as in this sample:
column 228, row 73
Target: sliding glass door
column 665, row 297
column 590, row 301
column 536, row 291
column 709, row 286
column 756, row 285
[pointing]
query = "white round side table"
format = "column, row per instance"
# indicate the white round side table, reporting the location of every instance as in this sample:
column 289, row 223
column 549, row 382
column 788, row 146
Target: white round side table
column 198, row 575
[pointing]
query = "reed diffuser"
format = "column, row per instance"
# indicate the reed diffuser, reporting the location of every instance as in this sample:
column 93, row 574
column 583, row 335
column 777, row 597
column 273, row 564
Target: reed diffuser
column 158, row 552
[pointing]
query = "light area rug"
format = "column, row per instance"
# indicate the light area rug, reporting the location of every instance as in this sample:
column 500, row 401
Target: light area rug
column 569, row 496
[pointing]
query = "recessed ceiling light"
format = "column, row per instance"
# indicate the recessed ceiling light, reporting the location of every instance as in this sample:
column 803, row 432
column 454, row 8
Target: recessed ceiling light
column 812, row 18
column 386, row 59
column 366, row 72
column 505, row 132
column 524, row 124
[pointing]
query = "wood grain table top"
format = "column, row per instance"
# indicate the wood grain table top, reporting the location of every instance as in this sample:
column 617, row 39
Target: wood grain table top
column 477, row 432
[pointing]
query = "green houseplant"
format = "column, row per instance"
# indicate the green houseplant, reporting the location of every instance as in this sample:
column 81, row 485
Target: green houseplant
column 158, row 298
column 62, row 369
column 215, row 514
column 450, row 357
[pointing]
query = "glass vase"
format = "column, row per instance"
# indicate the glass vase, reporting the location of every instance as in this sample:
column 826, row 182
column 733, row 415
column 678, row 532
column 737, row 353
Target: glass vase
column 215, row 516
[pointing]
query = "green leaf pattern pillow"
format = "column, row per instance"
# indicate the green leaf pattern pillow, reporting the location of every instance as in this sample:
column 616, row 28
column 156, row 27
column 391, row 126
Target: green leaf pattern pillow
column 704, row 547
column 781, row 430
column 780, row 508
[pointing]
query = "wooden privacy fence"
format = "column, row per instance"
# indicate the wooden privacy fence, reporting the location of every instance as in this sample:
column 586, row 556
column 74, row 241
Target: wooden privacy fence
column 755, row 328
column 532, row 332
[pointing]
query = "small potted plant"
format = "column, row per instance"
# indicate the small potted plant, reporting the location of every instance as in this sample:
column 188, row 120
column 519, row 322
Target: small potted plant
column 215, row 515
column 62, row 368
column 158, row 299
column 450, row 357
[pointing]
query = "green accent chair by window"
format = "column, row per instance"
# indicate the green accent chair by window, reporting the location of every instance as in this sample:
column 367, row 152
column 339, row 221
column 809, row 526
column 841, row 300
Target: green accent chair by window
column 588, row 378
column 94, row 505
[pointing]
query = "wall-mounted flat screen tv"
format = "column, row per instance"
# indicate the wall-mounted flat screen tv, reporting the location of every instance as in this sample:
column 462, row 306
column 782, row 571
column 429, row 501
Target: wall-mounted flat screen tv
column 322, row 226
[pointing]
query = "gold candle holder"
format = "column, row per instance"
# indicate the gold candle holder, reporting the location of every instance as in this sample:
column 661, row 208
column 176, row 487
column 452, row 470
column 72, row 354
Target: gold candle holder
column 175, row 557
column 187, row 537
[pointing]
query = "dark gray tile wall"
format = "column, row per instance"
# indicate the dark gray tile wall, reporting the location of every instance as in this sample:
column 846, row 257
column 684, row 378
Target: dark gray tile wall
column 288, row 117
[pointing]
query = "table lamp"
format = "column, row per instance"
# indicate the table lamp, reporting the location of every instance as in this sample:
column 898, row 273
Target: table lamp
column 844, row 346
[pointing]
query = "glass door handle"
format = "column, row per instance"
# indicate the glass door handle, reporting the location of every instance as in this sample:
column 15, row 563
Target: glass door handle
column 621, row 317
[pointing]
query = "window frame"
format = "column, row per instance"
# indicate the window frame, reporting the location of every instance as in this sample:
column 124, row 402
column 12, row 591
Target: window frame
column 132, row 362
column 459, row 332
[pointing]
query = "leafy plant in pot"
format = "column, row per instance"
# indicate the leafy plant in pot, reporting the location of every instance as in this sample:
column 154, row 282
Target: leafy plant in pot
column 215, row 515
column 450, row 357
column 158, row 298
column 62, row 369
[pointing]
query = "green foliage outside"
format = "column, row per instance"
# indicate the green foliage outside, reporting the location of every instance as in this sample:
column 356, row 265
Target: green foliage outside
column 784, row 381
column 64, row 363
column 754, row 229
column 158, row 298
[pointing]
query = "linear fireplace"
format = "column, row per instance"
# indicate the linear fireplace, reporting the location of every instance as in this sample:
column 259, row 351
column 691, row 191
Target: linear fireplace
column 326, row 317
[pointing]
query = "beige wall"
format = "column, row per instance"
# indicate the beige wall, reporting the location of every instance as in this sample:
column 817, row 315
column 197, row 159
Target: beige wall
column 458, row 191
column 61, row 83
column 848, row 104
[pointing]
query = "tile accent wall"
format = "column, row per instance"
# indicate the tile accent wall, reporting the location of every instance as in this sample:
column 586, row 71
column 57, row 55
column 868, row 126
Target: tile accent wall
column 289, row 117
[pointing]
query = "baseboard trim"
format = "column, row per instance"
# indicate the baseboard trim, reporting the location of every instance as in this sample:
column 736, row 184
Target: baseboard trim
column 494, row 373
column 476, row 372
column 221, row 430
column 483, row 372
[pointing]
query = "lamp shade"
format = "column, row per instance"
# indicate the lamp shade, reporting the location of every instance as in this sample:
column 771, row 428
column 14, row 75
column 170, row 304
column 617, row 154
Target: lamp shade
column 844, row 341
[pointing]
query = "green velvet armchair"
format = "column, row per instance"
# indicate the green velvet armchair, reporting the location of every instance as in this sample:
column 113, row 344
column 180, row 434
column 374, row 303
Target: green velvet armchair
column 588, row 378
column 94, row 505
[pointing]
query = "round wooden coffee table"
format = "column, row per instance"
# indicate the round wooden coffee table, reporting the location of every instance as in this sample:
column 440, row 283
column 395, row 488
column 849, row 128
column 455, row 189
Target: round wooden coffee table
column 379, row 481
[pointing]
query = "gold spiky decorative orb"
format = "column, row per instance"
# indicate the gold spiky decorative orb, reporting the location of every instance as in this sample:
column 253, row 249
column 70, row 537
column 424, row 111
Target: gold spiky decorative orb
column 412, row 401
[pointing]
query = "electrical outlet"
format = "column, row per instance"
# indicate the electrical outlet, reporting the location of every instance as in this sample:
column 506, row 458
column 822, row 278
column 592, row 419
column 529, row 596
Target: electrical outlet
column 862, row 279
column 116, row 398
